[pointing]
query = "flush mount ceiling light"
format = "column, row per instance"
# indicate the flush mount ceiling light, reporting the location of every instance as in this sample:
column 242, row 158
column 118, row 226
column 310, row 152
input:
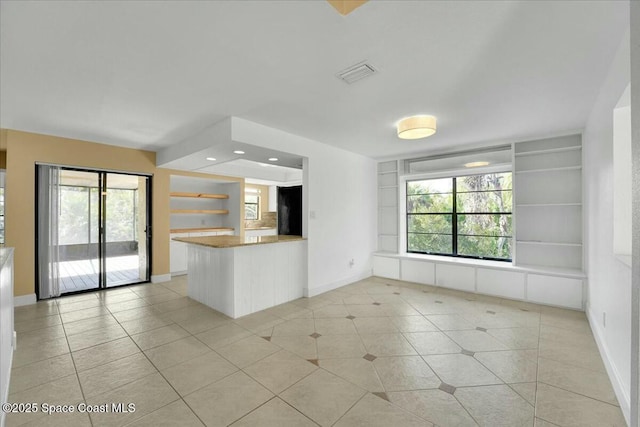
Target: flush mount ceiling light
column 475, row 164
column 238, row 152
column 211, row 159
column 273, row 159
column 416, row 127
column 345, row 7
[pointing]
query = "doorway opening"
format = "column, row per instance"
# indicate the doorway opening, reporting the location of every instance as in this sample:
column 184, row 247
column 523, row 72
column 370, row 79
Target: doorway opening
column 92, row 231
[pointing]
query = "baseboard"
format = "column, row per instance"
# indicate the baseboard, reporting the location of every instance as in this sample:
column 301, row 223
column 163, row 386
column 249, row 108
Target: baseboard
column 337, row 284
column 24, row 300
column 614, row 376
column 159, row 278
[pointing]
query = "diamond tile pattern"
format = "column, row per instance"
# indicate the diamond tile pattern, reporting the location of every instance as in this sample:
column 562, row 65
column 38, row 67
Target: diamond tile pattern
column 447, row 388
column 369, row 353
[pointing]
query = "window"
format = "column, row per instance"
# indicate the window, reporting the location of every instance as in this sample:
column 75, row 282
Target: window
column 467, row 216
column 251, row 206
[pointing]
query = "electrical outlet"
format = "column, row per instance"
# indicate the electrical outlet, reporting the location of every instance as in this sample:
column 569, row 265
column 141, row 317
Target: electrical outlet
column 351, row 263
column 604, row 319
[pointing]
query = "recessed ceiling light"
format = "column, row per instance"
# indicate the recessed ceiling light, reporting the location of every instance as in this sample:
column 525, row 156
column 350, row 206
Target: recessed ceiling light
column 273, row 159
column 239, row 152
column 211, row 159
column 475, row 164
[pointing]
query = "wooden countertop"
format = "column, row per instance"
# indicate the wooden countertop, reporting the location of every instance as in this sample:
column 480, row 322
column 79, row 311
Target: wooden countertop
column 196, row 230
column 260, row 228
column 237, row 241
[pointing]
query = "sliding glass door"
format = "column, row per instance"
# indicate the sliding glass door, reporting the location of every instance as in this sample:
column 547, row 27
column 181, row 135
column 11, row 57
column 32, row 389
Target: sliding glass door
column 98, row 234
column 78, row 230
column 125, row 232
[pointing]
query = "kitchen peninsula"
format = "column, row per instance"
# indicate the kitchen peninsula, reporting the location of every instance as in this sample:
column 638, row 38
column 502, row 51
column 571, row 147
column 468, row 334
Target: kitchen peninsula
column 239, row 275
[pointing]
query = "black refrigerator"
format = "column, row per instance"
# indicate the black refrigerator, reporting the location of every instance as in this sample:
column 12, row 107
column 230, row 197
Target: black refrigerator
column 290, row 210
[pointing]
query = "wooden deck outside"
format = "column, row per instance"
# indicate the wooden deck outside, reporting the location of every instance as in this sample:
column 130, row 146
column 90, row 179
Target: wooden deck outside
column 81, row 275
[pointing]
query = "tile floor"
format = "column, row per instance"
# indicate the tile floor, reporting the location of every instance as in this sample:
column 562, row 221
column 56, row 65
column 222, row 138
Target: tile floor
column 373, row 353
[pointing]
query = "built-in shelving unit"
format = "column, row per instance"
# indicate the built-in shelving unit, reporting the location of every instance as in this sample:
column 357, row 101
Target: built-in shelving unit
column 199, row 195
column 201, row 229
column 201, row 207
column 200, row 211
column 388, row 206
column 548, row 203
column 199, row 203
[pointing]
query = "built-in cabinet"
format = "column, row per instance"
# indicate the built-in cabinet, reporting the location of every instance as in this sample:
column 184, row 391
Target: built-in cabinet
column 548, row 203
column 495, row 278
column 547, row 262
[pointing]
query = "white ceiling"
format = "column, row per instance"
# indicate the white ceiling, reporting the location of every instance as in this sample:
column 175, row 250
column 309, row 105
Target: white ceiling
column 149, row 74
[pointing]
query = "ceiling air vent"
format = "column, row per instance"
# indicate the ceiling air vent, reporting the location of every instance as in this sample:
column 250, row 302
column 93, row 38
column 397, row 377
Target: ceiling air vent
column 356, row 72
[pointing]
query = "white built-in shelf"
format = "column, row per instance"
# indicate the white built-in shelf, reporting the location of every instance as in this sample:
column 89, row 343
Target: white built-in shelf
column 548, row 151
column 536, row 242
column 200, row 211
column 567, row 168
column 199, row 229
column 548, row 200
column 198, row 195
column 387, row 186
column 387, row 172
column 532, row 205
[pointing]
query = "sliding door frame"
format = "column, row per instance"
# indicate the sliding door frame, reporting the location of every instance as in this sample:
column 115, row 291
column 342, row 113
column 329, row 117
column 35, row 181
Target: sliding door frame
column 102, row 187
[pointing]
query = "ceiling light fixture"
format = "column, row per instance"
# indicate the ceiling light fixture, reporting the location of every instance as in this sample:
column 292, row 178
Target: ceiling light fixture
column 416, row 127
column 475, row 164
column 238, row 152
column 211, row 159
column 273, row 159
column 345, row 7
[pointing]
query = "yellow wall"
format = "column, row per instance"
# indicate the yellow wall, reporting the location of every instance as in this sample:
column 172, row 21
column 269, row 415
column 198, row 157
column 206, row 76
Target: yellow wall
column 25, row 149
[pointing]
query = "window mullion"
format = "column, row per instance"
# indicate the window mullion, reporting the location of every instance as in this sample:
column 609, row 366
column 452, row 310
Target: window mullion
column 454, row 220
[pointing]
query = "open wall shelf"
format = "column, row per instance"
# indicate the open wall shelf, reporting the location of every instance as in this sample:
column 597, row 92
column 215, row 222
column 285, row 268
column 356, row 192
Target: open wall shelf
column 200, row 211
column 199, row 195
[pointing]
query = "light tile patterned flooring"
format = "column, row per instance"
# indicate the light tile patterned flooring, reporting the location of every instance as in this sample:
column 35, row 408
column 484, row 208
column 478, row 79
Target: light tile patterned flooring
column 373, row 353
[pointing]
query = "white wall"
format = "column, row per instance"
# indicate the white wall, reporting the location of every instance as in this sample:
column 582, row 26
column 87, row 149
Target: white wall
column 341, row 204
column 609, row 279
